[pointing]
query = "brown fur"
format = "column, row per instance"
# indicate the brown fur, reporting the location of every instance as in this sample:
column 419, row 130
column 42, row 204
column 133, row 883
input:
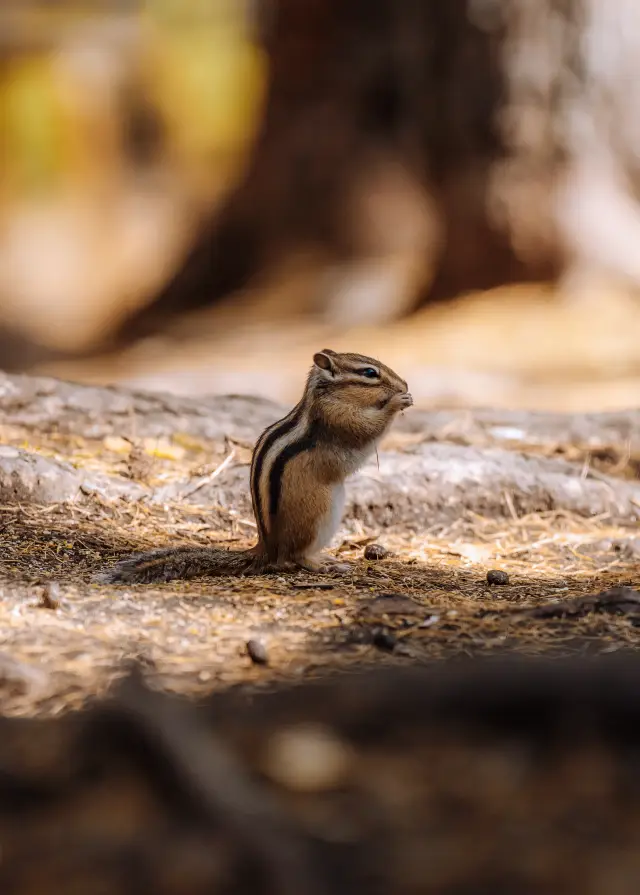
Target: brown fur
column 306, row 499
column 339, row 420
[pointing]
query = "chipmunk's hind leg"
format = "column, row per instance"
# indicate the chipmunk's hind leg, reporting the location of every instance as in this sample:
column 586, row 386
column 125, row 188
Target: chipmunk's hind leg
column 307, row 520
column 323, row 563
column 331, row 564
column 327, row 530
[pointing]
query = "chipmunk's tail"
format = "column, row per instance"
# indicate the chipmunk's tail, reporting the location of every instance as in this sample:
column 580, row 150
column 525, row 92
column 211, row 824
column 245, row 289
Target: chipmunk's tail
column 181, row 562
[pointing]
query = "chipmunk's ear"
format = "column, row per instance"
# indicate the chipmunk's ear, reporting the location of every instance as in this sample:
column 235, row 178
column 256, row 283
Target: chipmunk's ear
column 324, row 361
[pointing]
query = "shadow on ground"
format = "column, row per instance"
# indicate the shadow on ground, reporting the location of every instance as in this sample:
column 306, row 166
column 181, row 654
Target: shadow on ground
column 67, row 639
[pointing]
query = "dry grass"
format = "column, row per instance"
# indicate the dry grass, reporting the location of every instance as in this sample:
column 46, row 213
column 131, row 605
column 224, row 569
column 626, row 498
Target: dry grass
column 192, row 636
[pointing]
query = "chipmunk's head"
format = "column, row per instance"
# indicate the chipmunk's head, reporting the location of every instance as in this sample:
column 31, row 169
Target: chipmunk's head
column 359, row 384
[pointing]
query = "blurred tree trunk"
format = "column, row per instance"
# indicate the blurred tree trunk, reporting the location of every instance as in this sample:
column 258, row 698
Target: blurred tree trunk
column 355, row 90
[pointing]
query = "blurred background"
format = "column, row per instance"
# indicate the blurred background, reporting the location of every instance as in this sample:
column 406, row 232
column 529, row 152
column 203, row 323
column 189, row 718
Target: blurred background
column 195, row 195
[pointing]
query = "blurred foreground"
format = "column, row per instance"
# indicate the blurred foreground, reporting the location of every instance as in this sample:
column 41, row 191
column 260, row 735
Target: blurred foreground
column 517, row 777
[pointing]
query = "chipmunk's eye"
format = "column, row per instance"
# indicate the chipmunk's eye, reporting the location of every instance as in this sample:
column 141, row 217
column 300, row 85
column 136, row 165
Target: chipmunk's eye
column 369, row 372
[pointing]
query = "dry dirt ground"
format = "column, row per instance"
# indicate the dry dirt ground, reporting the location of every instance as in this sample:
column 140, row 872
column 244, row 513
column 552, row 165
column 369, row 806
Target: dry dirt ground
column 88, row 474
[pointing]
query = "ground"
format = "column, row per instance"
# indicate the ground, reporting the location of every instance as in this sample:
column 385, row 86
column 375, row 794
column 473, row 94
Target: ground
column 65, row 639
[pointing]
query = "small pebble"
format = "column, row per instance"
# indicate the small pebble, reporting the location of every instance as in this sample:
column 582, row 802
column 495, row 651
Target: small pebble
column 629, row 549
column 307, row 758
column 497, row 576
column 384, row 640
column 428, row 622
column 257, row 652
column 375, row 551
column 50, row 598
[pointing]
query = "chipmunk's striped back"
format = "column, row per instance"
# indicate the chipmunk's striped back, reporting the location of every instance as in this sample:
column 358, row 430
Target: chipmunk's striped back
column 268, row 456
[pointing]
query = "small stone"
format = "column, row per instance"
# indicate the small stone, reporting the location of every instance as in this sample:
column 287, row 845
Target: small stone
column 50, row 598
column 375, row 551
column 307, row 758
column 497, row 576
column 257, row 652
column 629, row 549
column 429, row 622
column 384, row 640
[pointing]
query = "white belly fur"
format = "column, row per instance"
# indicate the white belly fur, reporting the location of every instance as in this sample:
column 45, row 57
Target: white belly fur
column 331, row 523
column 355, row 459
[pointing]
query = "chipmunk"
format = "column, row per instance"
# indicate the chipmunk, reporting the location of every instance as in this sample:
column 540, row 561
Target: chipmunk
column 298, row 470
